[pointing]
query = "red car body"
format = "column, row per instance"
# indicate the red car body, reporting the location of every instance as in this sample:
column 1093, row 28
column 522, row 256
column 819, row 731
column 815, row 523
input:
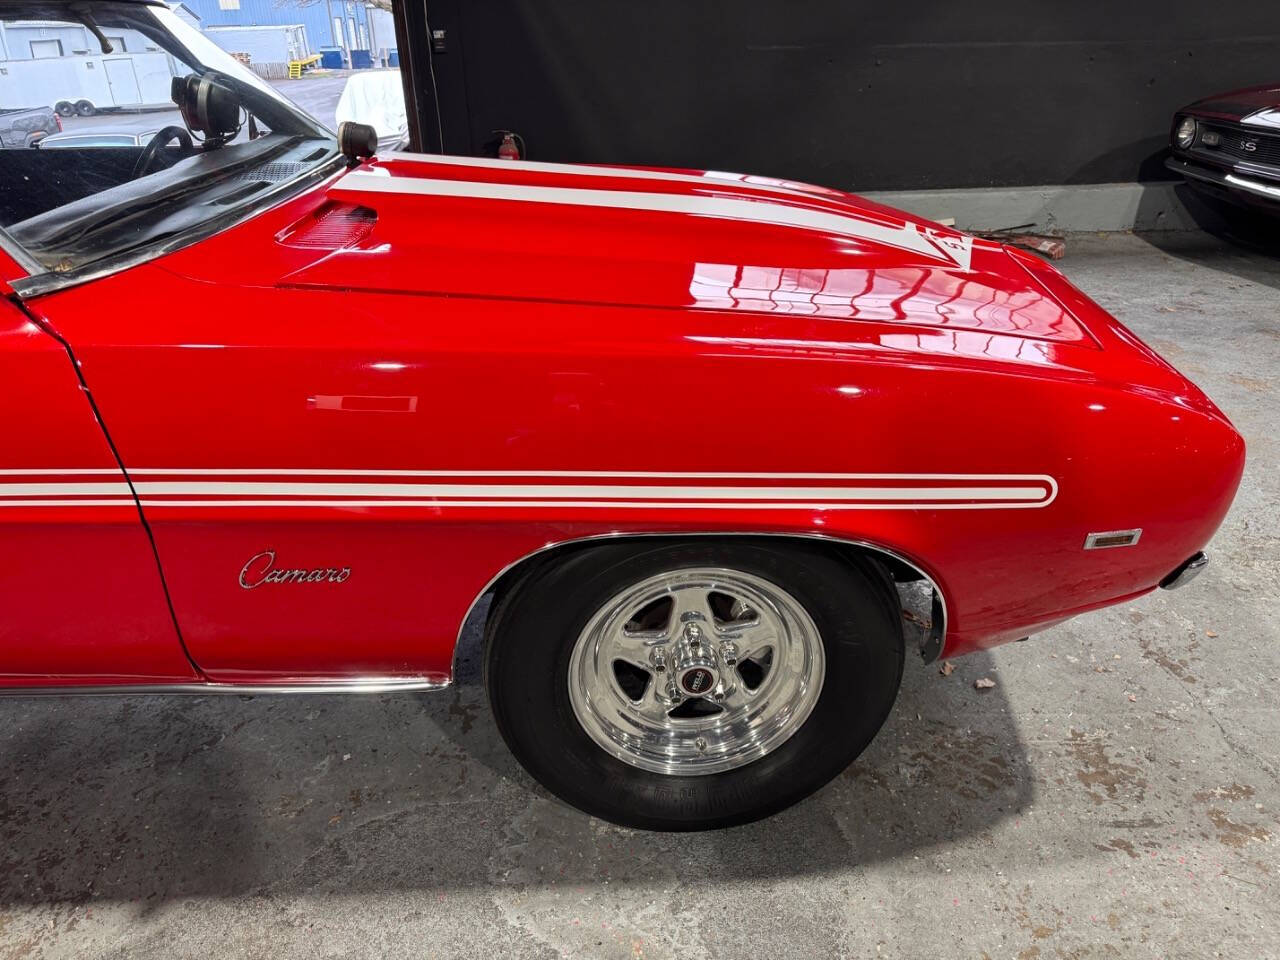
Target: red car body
column 342, row 420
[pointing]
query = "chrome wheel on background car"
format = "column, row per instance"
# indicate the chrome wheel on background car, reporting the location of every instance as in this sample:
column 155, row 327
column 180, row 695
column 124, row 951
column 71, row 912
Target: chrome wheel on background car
column 696, row 671
column 689, row 684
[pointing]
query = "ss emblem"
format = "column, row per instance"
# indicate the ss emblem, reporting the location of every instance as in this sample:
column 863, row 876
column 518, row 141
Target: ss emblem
column 1249, row 145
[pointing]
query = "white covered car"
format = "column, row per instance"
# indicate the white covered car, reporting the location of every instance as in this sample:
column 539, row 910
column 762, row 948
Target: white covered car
column 376, row 97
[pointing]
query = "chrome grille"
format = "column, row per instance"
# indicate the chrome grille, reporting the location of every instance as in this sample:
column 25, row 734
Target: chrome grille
column 1234, row 144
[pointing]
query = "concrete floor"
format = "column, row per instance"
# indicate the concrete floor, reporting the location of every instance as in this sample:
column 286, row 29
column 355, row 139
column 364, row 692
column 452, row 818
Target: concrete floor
column 1115, row 795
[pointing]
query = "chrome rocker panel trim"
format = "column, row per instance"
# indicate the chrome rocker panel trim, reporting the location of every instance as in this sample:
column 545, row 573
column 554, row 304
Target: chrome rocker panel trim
column 359, row 685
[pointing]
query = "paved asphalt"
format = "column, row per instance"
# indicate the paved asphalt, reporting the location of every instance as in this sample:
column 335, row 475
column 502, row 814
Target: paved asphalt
column 1117, row 794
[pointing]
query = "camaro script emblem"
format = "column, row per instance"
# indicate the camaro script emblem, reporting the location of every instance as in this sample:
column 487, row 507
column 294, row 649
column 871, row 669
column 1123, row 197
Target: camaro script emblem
column 261, row 569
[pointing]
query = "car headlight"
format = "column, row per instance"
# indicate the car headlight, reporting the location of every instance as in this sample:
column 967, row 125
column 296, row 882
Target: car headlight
column 1185, row 135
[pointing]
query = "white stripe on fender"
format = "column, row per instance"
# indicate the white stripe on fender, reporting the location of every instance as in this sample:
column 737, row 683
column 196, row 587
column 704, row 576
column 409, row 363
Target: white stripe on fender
column 68, row 489
column 603, row 474
column 907, row 237
column 571, row 491
column 732, row 491
column 559, row 504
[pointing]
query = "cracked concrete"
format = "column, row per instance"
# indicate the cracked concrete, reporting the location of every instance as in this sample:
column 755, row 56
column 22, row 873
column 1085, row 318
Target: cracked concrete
column 1115, row 795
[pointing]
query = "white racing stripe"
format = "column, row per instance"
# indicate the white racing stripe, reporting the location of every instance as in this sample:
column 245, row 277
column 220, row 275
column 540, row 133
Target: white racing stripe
column 709, row 178
column 957, row 246
column 907, row 237
column 732, row 491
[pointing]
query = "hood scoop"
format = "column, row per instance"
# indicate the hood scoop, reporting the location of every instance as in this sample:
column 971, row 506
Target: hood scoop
column 332, row 226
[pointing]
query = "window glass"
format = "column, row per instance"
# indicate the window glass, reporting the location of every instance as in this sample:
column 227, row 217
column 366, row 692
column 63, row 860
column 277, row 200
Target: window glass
column 125, row 166
column 88, row 140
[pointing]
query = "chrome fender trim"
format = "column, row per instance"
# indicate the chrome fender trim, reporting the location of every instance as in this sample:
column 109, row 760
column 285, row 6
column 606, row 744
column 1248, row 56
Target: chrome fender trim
column 935, row 641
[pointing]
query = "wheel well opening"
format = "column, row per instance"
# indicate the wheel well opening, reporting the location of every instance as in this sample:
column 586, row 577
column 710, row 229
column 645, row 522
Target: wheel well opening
column 916, row 594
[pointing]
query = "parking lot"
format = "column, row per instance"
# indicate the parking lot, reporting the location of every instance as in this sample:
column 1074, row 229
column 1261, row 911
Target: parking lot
column 317, row 94
column 1117, row 793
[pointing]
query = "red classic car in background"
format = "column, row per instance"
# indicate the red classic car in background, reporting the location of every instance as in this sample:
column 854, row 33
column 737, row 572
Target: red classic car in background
column 1228, row 146
column 276, row 420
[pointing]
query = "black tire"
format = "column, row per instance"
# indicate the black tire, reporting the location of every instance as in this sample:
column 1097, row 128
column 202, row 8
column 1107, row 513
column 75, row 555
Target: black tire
column 85, row 109
column 64, row 108
column 534, row 626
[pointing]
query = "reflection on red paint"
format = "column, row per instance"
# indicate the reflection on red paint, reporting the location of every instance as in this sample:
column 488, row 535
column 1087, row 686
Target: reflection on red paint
column 917, row 295
column 363, row 404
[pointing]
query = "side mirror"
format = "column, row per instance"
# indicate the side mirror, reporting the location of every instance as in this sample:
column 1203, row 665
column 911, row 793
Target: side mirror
column 357, row 140
column 375, row 98
column 207, row 106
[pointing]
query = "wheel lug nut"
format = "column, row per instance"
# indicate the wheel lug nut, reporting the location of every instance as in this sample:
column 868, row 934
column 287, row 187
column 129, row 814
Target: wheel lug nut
column 701, row 745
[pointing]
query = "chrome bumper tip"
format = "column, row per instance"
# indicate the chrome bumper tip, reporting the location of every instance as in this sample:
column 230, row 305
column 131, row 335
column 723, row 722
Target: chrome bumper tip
column 1188, row 571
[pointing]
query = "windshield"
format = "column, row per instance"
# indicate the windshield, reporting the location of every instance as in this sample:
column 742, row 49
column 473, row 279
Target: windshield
column 184, row 138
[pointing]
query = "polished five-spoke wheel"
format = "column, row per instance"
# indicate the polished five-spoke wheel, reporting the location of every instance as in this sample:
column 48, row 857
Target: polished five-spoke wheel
column 690, row 684
column 695, row 671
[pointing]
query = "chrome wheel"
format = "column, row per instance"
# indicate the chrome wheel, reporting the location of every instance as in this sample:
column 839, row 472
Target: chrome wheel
column 696, row 671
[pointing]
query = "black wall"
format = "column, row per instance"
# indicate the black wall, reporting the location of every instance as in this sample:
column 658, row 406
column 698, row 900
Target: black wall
column 858, row 95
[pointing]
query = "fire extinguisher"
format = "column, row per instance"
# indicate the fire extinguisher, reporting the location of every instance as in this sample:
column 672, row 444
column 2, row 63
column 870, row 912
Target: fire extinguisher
column 512, row 145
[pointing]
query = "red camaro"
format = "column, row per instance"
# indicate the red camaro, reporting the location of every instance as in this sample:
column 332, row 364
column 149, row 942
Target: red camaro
column 276, row 420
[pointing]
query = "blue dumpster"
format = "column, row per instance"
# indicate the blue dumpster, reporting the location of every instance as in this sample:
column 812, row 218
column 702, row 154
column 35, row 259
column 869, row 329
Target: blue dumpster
column 393, row 58
column 361, row 59
column 331, row 59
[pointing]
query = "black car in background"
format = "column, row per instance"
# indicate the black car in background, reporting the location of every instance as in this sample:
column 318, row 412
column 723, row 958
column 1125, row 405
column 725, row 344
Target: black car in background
column 1229, row 147
column 27, row 126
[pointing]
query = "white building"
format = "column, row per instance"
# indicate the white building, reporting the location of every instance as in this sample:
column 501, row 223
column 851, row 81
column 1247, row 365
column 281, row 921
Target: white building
column 267, row 48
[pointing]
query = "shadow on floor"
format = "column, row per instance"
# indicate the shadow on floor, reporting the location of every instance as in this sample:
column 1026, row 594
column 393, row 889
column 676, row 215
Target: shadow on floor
column 153, row 799
column 1240, row 242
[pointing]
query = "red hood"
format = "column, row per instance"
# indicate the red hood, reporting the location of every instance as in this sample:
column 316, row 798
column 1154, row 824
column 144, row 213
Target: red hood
column 618, row 236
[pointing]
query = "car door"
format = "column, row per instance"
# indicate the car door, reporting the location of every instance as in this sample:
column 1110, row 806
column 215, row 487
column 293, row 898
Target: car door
column 244, row 411
column 81, row 598
column 317, row 466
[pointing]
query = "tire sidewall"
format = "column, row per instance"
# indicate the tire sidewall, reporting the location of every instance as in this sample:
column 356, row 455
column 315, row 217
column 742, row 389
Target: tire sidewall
column 527, row 670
